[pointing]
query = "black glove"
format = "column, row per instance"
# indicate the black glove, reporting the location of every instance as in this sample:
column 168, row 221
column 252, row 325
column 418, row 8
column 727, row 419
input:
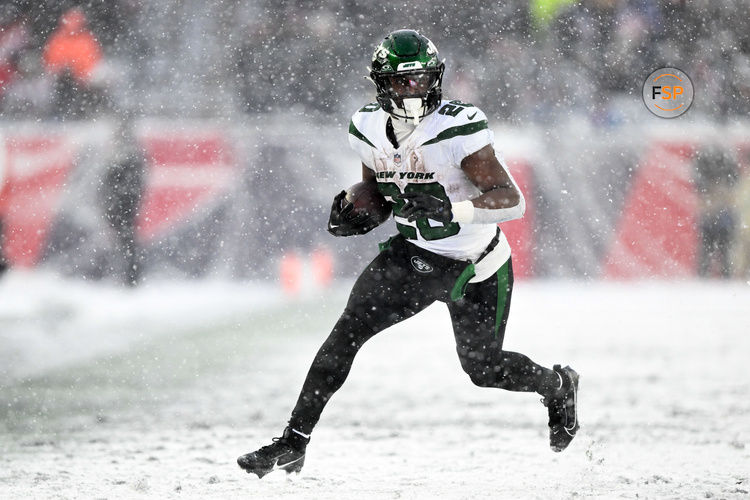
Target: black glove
column 344, row 222
column 420, row 205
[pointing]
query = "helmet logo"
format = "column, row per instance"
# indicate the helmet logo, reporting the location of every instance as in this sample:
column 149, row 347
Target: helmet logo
column 381, row 53
column 420, row 265
column 409, row 65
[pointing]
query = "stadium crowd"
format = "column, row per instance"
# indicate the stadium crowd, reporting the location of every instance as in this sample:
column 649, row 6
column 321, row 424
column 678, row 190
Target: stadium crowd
column 519, row 60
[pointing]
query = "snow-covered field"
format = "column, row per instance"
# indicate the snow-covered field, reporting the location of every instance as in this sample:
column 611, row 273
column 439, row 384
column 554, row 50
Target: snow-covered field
column 154, row 392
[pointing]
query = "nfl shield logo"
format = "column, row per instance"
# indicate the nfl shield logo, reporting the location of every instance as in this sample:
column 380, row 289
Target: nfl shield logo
column 397, row 159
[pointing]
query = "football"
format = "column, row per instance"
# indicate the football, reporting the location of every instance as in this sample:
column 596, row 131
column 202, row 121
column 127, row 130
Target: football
column 367, row 199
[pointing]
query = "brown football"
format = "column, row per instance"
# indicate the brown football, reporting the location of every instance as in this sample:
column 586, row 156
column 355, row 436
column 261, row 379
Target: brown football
column 367, row 199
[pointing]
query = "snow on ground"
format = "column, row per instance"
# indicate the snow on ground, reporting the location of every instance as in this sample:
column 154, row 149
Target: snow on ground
column 47, row 322
column 154, row 392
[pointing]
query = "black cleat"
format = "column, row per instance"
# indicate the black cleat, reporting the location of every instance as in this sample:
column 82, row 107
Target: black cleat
column 562, row 407
column 285, row 453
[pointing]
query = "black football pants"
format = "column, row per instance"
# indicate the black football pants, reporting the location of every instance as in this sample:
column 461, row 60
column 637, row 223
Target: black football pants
column 400, row 282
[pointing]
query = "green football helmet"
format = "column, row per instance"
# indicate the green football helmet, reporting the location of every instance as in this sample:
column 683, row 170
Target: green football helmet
column 408, row 74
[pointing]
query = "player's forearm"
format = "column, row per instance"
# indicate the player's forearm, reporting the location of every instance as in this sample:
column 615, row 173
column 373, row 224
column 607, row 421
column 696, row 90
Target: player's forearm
column 497, row 205
column 498, row 198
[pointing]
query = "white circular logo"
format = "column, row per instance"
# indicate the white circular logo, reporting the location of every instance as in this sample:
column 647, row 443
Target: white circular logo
column 420, row 265
column 381, row 53
column 668, row 92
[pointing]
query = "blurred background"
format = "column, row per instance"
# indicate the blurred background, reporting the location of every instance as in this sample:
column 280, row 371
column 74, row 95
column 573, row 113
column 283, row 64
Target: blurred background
column 166, row 173
column 207, row 138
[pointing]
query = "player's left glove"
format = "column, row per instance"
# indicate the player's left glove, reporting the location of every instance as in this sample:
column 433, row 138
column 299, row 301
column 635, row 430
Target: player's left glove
column 420, row 205
column 344, row 222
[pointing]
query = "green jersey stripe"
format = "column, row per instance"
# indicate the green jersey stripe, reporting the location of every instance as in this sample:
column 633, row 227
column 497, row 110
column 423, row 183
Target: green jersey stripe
column 356, row 133
column 467, row 129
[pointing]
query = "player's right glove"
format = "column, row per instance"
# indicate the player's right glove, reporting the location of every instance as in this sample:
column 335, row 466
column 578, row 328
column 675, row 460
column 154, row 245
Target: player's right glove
column 420, row 205
column 344, row 222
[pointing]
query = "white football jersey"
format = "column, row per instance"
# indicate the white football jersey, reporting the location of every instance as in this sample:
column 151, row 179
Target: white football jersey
column 429, row 160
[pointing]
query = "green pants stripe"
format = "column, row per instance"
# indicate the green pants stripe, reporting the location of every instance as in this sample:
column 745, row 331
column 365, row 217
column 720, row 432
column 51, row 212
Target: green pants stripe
column 504, row 288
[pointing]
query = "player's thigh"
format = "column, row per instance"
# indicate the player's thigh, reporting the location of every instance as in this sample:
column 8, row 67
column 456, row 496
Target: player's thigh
column 480, row 317
column 388, row 291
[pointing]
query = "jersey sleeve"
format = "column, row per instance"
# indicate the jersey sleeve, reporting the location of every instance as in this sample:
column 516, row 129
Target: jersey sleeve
column 472, row 133
column 359, row 142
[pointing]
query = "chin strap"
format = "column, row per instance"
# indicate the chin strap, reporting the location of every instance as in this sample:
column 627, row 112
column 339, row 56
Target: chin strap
column 413, row 109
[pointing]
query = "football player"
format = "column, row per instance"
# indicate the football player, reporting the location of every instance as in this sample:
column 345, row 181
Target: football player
column 434, row 160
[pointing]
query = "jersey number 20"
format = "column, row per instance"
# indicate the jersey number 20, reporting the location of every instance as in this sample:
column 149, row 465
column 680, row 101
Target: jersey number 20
column 428, row 232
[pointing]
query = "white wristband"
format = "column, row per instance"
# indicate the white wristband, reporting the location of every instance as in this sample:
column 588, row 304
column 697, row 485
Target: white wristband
column 463, row 212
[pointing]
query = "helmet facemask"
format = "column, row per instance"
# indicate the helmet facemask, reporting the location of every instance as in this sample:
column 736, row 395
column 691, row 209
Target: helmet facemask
column 409, row 96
